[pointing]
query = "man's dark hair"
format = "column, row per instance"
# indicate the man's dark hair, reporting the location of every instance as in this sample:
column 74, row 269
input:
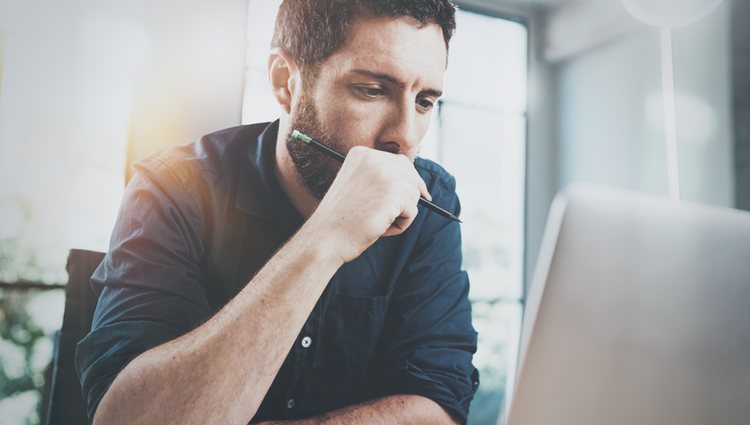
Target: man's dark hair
column 311, row 30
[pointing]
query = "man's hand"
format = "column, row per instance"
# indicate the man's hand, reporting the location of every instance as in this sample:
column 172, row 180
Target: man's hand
column 374, row 194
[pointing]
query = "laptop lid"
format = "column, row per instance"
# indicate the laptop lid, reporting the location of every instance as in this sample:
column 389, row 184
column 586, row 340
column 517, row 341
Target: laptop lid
column 639, row 313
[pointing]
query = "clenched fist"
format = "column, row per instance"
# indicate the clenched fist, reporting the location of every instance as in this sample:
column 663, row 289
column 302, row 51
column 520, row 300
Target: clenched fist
column 374, row 194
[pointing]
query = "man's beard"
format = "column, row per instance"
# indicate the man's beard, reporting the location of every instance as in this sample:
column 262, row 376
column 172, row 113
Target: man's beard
column 316, row 170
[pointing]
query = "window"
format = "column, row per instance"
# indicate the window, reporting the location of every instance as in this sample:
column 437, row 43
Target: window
column 480, row 137
column 479, row 134
column 64, row 111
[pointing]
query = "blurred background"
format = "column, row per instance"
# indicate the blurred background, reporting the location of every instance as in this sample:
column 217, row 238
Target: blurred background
column 539, row 94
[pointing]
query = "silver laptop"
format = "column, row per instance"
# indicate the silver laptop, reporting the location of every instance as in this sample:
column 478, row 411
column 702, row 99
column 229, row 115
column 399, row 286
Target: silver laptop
column 639, row 314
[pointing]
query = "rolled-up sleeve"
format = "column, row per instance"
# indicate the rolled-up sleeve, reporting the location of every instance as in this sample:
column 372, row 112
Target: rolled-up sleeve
column 431, row 340
column 149, row 285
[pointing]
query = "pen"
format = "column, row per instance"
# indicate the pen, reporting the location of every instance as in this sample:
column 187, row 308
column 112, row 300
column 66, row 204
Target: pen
column 339, row 157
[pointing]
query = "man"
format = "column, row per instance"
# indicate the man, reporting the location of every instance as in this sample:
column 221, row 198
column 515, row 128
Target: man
column 251, row 279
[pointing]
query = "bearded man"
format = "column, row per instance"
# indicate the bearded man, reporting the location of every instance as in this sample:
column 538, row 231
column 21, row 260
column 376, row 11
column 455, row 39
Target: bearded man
column 251, row 279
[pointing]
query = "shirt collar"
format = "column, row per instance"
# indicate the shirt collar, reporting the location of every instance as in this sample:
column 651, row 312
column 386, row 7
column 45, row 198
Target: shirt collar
column 259, row 192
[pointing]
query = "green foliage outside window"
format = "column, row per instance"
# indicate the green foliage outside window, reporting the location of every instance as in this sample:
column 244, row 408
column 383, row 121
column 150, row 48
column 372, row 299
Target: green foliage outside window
column 25, row 338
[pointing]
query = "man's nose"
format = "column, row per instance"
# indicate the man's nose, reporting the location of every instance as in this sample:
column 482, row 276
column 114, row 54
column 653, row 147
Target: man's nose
column 402, row 132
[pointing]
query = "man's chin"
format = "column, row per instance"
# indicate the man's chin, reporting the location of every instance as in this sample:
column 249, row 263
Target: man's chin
column 318, row 190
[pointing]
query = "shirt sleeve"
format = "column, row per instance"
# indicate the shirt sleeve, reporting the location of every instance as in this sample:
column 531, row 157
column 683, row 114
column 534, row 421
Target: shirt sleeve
column 431, row 341
column 149, row 284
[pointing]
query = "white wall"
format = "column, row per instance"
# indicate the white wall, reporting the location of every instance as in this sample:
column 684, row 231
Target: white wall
column 88, row 86
column 178, row 64
column 610, row 113
column 192, row 81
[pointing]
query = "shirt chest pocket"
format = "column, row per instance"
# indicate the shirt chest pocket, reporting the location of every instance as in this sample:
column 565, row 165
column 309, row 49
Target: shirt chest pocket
column 349, row 333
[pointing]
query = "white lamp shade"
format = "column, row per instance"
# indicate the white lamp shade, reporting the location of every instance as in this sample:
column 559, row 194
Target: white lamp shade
column 669, row 13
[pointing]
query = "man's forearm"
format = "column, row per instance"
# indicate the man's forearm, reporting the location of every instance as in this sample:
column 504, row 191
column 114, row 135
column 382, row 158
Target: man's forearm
column 397, row 409
column 220, row 371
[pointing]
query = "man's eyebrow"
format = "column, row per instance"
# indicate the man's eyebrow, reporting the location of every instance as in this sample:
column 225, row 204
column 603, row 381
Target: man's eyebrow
column 395, row 81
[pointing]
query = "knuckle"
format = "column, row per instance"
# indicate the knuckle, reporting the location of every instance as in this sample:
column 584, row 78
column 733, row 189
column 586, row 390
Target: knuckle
column 358, row 153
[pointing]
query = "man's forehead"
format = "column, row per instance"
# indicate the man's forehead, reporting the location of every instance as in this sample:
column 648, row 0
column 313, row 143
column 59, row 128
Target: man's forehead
column 396, row 47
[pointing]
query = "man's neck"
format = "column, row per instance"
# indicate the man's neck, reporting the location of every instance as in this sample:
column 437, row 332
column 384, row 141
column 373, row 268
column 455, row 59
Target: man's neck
column 289, row 179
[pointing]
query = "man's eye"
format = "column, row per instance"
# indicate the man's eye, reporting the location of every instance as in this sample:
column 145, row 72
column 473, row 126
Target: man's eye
column 425, row 104
column 368, row 91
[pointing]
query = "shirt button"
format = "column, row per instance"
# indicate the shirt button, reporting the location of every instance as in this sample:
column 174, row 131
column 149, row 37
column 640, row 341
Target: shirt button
column 306, row 342
column 290, row 403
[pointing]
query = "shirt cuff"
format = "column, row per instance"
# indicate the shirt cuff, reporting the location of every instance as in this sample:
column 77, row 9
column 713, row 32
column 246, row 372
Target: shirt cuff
column 105, row 351
column 453, row 393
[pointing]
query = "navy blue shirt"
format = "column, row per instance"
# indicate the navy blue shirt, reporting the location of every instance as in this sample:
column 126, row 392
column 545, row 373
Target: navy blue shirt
column 198, row 221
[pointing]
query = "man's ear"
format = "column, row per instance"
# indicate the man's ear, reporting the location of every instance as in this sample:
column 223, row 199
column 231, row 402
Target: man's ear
column 283, row 74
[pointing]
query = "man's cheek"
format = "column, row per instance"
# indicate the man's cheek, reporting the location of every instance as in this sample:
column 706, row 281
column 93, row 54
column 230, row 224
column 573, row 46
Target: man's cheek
column 356, row 111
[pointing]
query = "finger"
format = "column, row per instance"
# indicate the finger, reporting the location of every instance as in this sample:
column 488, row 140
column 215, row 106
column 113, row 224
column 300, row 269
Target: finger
column 416, row 181
column 402, row 222
column 398, row 227
column 414, row 174
column 413, row 177
column 422, row 186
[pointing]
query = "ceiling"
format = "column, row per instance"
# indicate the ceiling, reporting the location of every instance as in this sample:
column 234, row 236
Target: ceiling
column 520, row 4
